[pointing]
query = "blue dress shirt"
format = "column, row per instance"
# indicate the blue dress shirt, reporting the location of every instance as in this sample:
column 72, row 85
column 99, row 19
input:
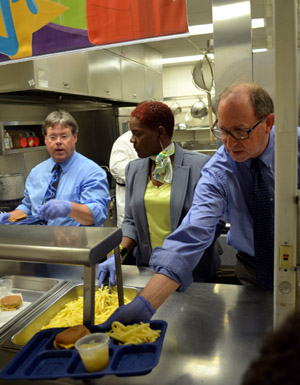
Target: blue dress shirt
column 82, row 181
column 223, row 191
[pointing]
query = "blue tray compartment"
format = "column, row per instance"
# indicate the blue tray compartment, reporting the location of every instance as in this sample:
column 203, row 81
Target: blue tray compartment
column 39, row 360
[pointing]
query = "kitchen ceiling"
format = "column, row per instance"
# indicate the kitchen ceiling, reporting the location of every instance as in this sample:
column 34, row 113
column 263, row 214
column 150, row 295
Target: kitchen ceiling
column 200, row 12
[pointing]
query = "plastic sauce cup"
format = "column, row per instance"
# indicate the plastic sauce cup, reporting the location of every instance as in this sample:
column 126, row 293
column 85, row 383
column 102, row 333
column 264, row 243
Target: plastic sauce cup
column 93, row 350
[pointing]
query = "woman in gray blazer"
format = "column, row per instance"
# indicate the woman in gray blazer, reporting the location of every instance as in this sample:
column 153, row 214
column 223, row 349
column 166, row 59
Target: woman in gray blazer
column 160, row 186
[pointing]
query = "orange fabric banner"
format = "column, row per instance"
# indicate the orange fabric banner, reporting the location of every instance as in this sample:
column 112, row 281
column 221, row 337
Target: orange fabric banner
column 113, row 21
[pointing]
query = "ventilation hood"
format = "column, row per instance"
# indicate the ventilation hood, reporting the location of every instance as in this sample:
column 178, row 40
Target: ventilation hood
column 91, row 73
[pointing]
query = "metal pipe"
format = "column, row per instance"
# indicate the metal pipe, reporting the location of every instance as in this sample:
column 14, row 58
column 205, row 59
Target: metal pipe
column 286, row 147
column 119, row 277
column 89, row 295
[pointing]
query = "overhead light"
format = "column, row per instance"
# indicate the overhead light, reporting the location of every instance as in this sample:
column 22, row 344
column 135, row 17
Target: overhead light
column 258, row 23
column 203, row 29
column 185, row 59
column 194, row 58
column 259, row 50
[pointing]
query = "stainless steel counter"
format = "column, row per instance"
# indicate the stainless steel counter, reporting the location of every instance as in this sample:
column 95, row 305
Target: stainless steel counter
column 214, row 331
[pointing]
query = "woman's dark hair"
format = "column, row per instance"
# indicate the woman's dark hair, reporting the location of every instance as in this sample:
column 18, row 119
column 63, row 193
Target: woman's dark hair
column 155, row 114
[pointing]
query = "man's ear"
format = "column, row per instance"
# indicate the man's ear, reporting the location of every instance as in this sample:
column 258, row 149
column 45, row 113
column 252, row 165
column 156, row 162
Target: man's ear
column 270, row 122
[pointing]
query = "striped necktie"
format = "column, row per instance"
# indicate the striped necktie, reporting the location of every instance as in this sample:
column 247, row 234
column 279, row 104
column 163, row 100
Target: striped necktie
column 263, row 226
column 51, row 190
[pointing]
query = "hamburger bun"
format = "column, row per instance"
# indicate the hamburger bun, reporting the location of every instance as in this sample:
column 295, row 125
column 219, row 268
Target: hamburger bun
column 11, row 302
column 68, row 337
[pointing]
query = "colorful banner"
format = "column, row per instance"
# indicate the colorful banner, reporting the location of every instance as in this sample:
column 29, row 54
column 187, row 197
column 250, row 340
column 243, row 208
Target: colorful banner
column 39, row 27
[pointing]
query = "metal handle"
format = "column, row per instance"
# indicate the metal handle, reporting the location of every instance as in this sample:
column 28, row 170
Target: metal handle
column 119, row 277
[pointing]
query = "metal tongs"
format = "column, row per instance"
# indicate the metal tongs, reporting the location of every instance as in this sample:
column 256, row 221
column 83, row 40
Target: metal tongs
column 118, row 278
column 105, row 283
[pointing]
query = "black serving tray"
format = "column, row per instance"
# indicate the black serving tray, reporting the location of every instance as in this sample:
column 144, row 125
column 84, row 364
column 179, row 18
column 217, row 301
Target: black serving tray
column 39, row 360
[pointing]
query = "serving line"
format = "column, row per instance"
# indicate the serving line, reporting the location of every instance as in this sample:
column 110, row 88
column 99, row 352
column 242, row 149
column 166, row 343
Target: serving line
column 214, row 331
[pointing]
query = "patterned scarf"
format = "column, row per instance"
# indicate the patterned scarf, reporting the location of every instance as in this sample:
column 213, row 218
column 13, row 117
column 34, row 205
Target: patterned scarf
column 163, row 171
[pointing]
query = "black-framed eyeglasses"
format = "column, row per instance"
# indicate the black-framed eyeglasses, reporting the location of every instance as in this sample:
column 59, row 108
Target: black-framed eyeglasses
column 238, row 133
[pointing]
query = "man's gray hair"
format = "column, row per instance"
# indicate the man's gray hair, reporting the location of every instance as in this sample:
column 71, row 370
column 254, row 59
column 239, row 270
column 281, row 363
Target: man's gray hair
column 261, row 100
column 61, row 117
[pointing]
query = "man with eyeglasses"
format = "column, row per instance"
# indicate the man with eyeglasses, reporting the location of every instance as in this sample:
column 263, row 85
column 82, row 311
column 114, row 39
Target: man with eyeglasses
column 67, row 189
column 245, row 126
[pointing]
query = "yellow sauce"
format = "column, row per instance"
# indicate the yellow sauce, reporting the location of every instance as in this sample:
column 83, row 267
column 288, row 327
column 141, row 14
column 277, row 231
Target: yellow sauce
column 94, row 359
column 87, row 346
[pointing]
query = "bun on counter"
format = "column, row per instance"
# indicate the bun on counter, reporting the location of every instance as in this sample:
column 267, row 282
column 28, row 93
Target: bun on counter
column 68, row 337
column 17, row 217
column 11, row 302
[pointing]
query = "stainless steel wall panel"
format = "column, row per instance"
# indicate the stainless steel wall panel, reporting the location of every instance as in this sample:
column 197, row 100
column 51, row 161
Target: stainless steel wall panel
column 104, row 74
column 133, row 81
column 264, row 73
column 154, row 86
column 134, row 52
column 263, row 70
column 153, row 59
column 232, row 42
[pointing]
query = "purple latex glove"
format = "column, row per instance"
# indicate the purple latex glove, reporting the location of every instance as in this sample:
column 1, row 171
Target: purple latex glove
column 4, row 217
column 108, row 266
column 137, row 310
column 54, row 209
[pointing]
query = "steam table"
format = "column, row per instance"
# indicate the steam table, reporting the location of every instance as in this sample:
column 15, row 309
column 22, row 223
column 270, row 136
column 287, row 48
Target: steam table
column 214, row 331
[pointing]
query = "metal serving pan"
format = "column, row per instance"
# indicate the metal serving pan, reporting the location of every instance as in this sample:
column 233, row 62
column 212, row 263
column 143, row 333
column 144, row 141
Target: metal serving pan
column 17, row 338
column 34, row 291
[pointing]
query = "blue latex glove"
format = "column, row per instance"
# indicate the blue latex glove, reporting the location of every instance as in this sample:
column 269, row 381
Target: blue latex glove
column 4, row 217
column 108, row 266
column 137, row 310
column 54, row 209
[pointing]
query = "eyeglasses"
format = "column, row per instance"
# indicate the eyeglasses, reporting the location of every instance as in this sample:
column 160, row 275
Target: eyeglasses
column 238, row 133
column 63, row 138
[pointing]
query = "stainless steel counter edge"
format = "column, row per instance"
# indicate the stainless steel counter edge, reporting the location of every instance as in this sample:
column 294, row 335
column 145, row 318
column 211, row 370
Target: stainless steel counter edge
column 214, row 331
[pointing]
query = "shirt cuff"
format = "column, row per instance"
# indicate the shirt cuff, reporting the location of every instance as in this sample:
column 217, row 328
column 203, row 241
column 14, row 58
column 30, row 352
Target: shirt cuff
column 173, row 265
column 24, row 209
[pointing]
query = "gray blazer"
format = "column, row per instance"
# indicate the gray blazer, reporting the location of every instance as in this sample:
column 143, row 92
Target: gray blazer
column 187, row 168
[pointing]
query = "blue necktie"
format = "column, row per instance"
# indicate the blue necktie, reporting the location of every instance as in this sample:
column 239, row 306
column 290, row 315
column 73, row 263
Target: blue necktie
column 51, row 190
column 263, row 226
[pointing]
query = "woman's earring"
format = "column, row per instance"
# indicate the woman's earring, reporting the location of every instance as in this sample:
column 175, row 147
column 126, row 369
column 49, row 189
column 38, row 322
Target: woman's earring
column 161, row 145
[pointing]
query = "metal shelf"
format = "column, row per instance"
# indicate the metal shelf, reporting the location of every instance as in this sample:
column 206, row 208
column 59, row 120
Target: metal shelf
column 20, row 150
column 18, row 124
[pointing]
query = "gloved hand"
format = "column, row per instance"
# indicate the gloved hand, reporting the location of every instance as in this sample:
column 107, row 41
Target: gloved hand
column 137, row 310
column 108, row 266
column 4, row 217
column 54, row 209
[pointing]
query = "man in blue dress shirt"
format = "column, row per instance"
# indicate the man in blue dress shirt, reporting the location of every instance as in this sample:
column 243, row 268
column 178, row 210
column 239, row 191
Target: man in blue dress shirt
column 245, row 126
column 82, row 193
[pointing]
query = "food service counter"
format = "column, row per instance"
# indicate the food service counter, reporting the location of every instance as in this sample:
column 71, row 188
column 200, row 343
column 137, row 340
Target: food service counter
column 214, row 331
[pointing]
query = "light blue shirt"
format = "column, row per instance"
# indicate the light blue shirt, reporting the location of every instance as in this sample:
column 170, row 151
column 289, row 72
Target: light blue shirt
column 223, row 191
column 81, row 181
